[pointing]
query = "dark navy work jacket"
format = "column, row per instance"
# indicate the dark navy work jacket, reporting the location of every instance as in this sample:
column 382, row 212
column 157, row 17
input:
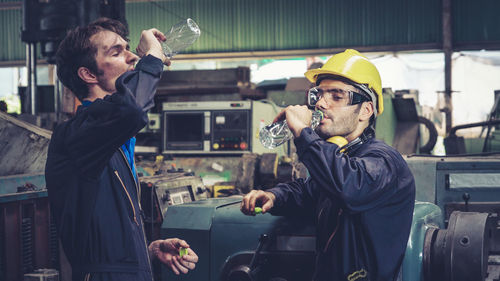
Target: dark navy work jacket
column 94, row 197
column 362, row 203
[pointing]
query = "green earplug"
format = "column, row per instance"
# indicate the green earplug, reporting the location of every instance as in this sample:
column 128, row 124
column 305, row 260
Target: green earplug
column 183, row 251
column 257, row 210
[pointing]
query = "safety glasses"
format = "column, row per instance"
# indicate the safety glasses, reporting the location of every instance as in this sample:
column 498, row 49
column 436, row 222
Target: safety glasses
column 335, row 97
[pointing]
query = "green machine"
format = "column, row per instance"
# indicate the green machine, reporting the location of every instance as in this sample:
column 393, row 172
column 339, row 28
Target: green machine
column 233, row 247
column 402, row 127
column 454, row 235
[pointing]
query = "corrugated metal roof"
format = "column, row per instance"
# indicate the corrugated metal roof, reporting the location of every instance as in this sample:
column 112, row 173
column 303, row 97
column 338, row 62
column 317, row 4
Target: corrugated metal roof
column 475, row 21
column 276, row 25
column 11, row 47
column 240, row 25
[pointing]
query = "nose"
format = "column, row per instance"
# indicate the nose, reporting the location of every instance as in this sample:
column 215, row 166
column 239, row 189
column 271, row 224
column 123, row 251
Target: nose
column 132, row 58
column 321, row 103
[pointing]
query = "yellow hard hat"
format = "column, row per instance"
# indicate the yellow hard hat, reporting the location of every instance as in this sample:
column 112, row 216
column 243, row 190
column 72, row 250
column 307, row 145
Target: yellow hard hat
column 354, row 66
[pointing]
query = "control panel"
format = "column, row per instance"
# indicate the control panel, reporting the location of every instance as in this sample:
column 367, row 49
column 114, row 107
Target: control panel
column 230, row 130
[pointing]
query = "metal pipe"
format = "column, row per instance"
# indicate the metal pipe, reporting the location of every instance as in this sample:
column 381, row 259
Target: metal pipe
column 58, row 98
column 31, row 92
column 448, row 51
column 471, row 125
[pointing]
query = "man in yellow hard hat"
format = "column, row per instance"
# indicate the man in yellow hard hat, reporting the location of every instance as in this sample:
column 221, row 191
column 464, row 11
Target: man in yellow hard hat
column 360, row 192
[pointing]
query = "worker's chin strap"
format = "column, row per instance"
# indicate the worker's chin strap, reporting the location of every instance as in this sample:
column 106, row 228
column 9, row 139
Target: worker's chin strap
column 347, row 147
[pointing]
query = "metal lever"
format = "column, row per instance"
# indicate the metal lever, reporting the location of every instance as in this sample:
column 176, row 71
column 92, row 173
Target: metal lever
column 466, row 197
column 248, row 272
column 262, row 240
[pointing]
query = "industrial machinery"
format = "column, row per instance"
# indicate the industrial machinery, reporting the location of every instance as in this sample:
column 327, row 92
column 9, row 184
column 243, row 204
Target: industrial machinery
column 454, row 234
column 402, row 127
column 215, row 127
column 175, row 188
column 28, row 236
column 23, row 147
column 455, row 144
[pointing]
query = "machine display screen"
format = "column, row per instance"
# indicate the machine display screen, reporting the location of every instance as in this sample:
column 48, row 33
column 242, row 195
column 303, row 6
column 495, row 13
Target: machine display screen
column 185, row 127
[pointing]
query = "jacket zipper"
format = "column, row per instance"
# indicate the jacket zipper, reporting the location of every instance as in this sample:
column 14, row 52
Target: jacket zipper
column 334, row 231
column 132, row 174
column 320, row 213
column 138, row 202
column 128, row 195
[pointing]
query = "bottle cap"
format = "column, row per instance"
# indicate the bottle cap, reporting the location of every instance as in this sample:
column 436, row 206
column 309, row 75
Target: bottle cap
column 320, row 113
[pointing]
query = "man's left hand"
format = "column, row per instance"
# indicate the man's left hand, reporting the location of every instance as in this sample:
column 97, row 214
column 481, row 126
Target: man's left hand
column 167, row 251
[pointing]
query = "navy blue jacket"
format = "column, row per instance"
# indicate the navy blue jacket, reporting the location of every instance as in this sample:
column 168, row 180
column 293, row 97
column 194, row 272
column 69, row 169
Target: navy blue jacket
column 94, row 197
column 362, row 203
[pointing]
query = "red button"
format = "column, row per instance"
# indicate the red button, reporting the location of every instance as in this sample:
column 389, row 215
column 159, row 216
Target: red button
column 243, row 145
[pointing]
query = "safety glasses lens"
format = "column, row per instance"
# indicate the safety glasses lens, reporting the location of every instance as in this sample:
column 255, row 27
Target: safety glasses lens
column 312, row 96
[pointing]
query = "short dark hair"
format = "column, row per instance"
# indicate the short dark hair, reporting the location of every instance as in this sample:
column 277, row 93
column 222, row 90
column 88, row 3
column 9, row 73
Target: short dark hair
column 77, row 51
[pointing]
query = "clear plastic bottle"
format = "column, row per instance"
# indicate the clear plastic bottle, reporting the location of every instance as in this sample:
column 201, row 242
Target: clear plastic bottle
column 276, row 134
column 181, row 35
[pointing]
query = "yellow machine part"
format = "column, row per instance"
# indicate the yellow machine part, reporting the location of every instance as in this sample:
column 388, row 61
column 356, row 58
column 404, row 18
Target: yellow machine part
column 217, row 187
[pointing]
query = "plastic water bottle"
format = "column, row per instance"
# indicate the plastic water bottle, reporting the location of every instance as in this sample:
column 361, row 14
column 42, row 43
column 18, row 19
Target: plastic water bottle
column 276, row 134
column 181, row 35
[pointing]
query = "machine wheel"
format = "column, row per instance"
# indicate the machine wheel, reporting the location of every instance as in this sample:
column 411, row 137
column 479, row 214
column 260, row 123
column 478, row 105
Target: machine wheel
column 240, row 273
column 460, row 252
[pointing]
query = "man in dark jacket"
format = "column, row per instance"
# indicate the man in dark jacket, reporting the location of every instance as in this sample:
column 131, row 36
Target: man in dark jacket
column 91, row 179
column 360, row 192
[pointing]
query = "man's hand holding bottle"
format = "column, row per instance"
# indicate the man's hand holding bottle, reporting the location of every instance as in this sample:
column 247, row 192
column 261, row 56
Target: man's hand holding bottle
column 149, row 44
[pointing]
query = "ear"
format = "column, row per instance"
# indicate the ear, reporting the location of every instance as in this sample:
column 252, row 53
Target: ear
column 366, row 111
column 86, row 75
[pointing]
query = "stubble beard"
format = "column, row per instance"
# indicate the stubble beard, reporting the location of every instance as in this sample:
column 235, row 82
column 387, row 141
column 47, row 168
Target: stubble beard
column 342, row 126
column 106, row 84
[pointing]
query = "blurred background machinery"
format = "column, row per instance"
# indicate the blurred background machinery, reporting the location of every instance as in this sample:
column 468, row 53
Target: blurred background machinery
column 486, row 142
column 28, row 238
column 205, row 112
column 216, row 127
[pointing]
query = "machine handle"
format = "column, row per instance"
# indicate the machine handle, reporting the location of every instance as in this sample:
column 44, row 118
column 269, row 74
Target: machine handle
column 262, row 240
